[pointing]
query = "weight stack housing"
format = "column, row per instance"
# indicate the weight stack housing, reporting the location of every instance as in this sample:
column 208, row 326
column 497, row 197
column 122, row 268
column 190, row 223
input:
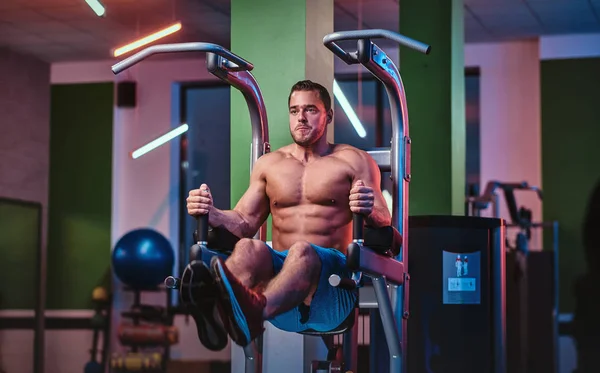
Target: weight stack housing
column 457, row 268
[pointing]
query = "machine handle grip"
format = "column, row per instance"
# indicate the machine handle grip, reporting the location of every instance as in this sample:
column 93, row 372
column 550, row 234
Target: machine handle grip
column 202, row 228
column 239, row 64
column 330, row 41
column 357, row 227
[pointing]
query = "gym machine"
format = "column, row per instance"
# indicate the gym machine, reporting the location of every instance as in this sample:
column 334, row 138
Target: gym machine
column 224, row 64
column 438, row 240
column 531, row 280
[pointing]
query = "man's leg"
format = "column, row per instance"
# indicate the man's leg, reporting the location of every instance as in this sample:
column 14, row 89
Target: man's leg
column 251, row 263
column 296, row 282
column 246, row 309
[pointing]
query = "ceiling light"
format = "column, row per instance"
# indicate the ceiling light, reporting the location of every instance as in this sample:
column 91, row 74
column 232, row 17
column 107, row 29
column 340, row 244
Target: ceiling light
column 341, row 98
column 147, row 39
column 159, row 141
column 389, row 200
column 97, row 7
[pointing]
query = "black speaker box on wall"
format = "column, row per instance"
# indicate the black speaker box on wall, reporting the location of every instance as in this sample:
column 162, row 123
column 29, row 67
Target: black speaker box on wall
column 126, row 94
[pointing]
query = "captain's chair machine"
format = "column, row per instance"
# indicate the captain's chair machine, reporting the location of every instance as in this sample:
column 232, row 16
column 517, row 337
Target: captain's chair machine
column 434, row 240
column 385, row 263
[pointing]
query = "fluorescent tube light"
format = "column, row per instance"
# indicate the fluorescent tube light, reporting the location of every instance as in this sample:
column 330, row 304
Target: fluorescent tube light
column 159, row 141
column 341, row 98
column 97, row 7
column 147, row 39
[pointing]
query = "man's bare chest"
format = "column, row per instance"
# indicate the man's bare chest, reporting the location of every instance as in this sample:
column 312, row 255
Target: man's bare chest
column 290, row 183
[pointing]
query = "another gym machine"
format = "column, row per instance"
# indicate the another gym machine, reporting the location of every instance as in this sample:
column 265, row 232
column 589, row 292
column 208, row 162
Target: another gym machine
column 531, row 279
column 521, row 218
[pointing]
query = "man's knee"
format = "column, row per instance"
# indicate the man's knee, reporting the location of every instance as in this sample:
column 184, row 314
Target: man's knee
column 250, row 244
column 252, row 249
column 251, row 262
column 303, row 250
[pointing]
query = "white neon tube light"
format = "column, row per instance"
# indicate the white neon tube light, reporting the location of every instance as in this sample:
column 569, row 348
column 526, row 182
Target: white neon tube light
column 341, row 98
column 388, row 199
column 159, row 141
column 147, row 39
column 97, row 7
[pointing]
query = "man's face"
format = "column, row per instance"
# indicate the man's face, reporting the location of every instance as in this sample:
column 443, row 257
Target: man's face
column 308, row 117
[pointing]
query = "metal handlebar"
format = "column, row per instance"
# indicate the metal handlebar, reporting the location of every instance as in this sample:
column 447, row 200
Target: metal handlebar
column 351, row 58
column 234, row 62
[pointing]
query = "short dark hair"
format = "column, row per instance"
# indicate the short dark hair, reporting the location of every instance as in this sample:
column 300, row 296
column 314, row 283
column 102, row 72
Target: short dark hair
column 309, row 85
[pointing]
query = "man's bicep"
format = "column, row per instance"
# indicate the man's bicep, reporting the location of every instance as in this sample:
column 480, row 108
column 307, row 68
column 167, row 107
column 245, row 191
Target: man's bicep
column 254, row 201
column 254, row 204
column 368, row 171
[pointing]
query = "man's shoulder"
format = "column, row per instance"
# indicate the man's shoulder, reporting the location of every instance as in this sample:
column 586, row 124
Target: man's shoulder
column 357, row 158
column 264, row 164
column 349, row 152
column 272, row 157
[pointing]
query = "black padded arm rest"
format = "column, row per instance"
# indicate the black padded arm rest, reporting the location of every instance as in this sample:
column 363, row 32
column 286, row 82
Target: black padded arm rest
column 364, row 259
column 383, row 240
column 219, row 239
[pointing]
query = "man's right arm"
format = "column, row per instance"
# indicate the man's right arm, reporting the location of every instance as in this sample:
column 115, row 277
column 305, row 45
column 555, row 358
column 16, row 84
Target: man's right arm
column 250, row 212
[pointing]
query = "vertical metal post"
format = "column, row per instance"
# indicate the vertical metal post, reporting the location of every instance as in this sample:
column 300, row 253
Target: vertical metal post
column 389, row 324
column 498, row 251
column 556, row 310
column 40, row 309
column 350, row 346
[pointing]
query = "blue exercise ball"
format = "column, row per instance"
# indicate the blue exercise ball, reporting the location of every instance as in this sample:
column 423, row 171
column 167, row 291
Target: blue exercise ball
column 142, row 258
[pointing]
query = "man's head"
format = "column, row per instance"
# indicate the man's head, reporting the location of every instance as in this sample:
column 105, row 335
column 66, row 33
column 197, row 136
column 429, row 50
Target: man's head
column 310, row 112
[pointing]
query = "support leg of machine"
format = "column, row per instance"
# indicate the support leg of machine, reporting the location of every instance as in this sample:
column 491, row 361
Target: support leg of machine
column 350, row 347
column 389, row 324
column 253, row 357
column 247, row 359
column 283, row 351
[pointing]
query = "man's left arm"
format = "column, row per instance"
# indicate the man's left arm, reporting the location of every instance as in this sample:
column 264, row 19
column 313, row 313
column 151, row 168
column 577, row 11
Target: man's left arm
column 366, row 196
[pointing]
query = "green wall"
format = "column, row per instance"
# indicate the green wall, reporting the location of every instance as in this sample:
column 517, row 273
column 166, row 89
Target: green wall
column 570, row 158
column 278, row 39
column 276, row 68
column 435, row 94
column 80, row 188
column 20, row 239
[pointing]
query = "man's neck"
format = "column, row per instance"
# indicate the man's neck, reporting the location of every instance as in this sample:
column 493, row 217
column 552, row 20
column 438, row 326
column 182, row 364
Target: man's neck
column 312, row 152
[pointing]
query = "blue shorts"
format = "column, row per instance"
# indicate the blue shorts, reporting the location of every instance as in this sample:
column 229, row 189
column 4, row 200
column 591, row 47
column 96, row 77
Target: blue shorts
column 329, row 307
